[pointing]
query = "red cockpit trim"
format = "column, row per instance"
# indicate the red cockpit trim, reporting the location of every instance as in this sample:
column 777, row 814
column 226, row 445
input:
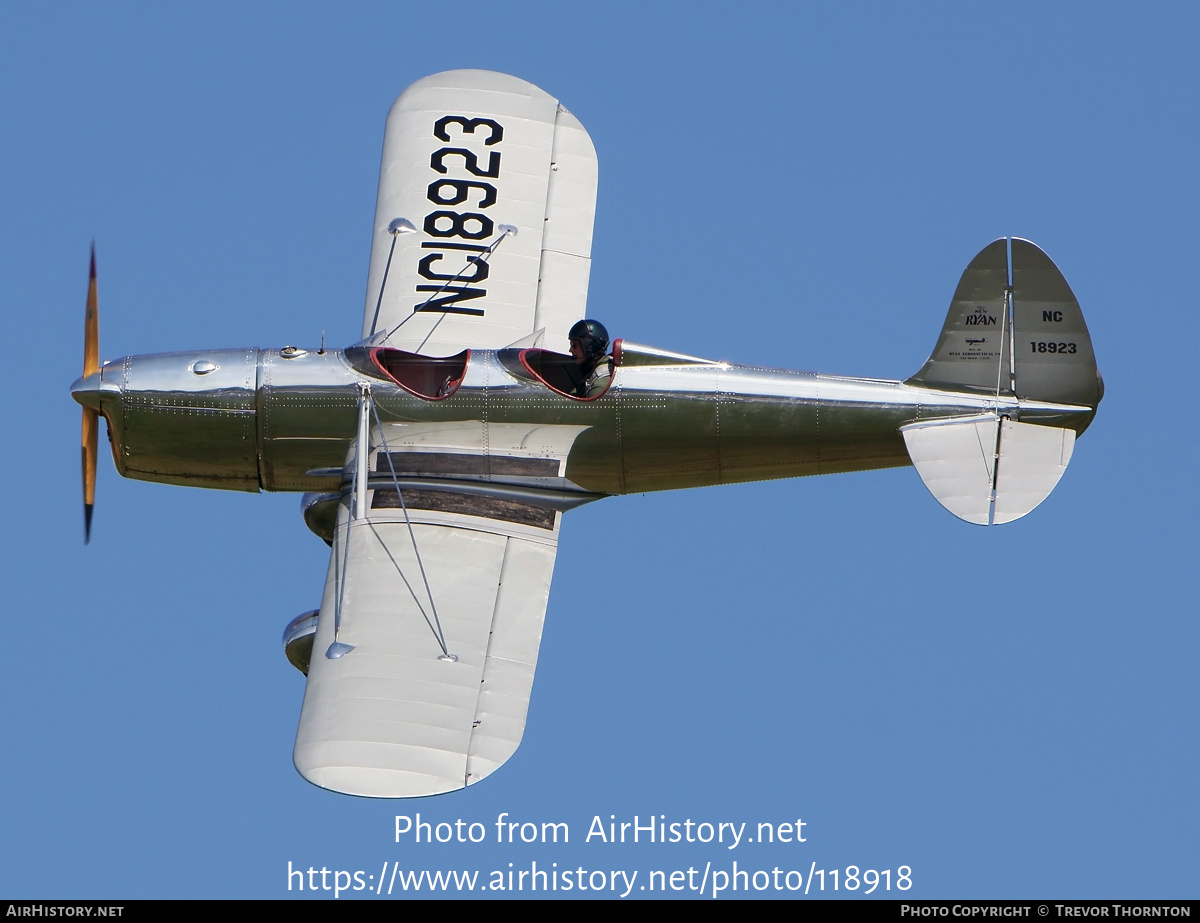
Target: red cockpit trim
column 537, row 351
column 455, row 367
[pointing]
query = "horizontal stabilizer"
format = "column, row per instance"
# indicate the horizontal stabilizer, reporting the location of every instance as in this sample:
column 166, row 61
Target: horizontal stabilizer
column 1032, row 459
column 987, row 469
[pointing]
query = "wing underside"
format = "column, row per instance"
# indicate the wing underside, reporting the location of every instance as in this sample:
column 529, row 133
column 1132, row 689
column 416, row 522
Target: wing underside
column 433, row 606
column 496, row 185
column 395, row 716
column 436, row 592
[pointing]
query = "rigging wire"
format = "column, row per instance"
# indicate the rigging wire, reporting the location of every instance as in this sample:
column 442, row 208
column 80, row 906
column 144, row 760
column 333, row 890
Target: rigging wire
column 439, row 634
column 506, row 230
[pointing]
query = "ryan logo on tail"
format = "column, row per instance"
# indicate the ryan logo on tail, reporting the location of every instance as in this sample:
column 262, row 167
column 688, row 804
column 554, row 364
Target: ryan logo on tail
column 438, row 455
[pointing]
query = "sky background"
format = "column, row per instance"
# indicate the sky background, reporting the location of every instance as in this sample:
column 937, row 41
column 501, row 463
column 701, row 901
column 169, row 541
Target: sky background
column 1010, row 712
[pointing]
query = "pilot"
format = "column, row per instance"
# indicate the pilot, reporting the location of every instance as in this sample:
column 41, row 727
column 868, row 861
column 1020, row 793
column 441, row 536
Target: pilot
column 589, row 349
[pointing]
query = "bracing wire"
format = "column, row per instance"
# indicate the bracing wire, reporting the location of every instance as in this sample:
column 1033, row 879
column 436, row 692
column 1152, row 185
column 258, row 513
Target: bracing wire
column 471, row 261
column 439, row 634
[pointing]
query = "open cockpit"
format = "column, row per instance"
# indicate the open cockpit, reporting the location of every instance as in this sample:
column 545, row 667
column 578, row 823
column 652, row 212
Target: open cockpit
column 431, row 377
column 559, row 372
column 435, row 378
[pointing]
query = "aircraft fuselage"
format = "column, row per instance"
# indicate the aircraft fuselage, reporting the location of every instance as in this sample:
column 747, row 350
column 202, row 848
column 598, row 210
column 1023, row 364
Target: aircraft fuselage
column 285, row 419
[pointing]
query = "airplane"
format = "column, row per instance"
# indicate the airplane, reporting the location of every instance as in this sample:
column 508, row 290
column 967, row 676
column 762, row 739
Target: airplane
column 438, row 454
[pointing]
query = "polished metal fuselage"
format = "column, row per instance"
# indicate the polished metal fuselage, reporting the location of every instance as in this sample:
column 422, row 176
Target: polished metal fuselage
column 285, row 420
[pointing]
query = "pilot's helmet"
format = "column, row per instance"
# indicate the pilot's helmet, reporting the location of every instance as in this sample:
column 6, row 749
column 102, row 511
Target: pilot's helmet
column 592, row 337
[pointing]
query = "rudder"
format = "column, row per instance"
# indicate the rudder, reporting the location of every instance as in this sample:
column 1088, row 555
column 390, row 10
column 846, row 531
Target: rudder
column 1054, row 359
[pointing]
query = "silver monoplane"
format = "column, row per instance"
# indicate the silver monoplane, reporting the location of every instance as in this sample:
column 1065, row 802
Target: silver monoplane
column 439, row 453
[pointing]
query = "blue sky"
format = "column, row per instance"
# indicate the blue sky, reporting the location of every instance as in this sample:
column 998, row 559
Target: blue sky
column 1008, row 712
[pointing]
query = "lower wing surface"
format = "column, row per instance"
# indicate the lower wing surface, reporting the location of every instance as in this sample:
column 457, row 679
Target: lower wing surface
column 483, row 225
column 427, row 687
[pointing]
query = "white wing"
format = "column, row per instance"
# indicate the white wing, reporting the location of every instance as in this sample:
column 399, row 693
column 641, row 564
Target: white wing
column 390, row 719
column 465, row 153
column 394, row 717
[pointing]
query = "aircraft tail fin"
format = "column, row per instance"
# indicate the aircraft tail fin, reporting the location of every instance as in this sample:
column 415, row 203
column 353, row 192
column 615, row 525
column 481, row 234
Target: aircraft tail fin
column 1014, row 331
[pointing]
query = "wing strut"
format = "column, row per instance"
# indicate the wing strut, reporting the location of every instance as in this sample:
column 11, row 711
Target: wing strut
column 396, row 227
column 362, row 451
column 436, row 627
column 367, row 409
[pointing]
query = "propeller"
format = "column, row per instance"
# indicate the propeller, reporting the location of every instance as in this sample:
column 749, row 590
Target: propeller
column 91, row 417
